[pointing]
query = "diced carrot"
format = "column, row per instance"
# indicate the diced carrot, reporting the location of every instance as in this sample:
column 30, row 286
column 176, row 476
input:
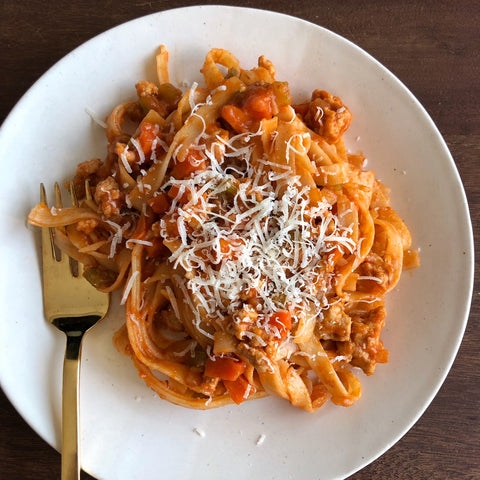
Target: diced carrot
column 334, row 256
column 259, row 104
column 156, row 249
column 194, row 162
column 226, row 368
column 171, row 225
column 315, row 195
column 281, row 322
column 174, row 193
column 227, row 247
column 251, row 293
column 382, row 356
column 148, row 133
column 301, row 109
column 141, row 228
column 236, row 117
column 159, row 203
column 239, row 389
column 255, row 104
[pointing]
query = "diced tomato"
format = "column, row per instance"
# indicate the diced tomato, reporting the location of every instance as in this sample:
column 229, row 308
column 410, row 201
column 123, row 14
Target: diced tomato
column 226, row 368
column 148, row 133
column 194, row 162
column 159, row 203
column 174, row 193
column 239, row 389
column 281, row 322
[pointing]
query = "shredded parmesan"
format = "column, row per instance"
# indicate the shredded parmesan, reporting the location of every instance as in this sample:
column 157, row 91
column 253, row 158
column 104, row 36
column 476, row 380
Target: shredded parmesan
column 128, row 287
column 140, row 152
column 129, row 242
column 199, row 432
column 367, row 277
column 95, row 118
column 282, row 254
column 116, row 238
column 123, row 158
column 319, row 115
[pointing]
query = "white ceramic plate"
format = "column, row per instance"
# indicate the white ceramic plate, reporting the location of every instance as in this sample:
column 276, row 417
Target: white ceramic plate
column 128, row 432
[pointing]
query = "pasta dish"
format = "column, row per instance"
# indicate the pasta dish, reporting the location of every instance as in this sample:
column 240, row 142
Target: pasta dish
column 252, row 251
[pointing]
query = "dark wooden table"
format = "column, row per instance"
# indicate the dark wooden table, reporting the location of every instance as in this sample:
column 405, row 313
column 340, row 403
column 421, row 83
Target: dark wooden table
column 432, row 46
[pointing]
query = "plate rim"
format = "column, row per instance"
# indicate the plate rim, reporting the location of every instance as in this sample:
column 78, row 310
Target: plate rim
column 439, row 138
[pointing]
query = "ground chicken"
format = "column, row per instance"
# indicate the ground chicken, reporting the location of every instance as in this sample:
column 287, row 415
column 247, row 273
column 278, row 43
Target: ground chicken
column 328, row 116
column 109, row 197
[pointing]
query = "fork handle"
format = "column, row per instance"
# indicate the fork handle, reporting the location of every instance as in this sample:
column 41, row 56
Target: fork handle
column 70, row 404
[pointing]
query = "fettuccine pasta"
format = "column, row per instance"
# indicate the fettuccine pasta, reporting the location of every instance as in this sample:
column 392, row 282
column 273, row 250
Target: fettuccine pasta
column 252, row 251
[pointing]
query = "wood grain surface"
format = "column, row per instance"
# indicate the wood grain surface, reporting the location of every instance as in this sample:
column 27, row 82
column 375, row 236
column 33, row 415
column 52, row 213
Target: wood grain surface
column 433, row 47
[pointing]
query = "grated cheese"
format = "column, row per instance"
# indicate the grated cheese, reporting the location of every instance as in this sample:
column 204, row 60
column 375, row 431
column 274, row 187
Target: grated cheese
column 95, row 118
column 116, row 238
column 130, row 241
column 123, row 158
column 367, row 277
column 277, row 241
column 199, row 432
column 138, row 147
column 128, row 287
column 319, row 115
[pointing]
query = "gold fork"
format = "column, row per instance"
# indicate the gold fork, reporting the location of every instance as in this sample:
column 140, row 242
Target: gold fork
column 73, row 305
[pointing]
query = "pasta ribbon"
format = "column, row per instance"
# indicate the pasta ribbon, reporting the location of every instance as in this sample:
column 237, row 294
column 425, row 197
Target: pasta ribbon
column 251, row 250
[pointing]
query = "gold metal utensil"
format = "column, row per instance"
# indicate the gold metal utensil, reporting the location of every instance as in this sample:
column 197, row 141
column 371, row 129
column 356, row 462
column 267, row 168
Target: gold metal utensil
column 73, row 305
